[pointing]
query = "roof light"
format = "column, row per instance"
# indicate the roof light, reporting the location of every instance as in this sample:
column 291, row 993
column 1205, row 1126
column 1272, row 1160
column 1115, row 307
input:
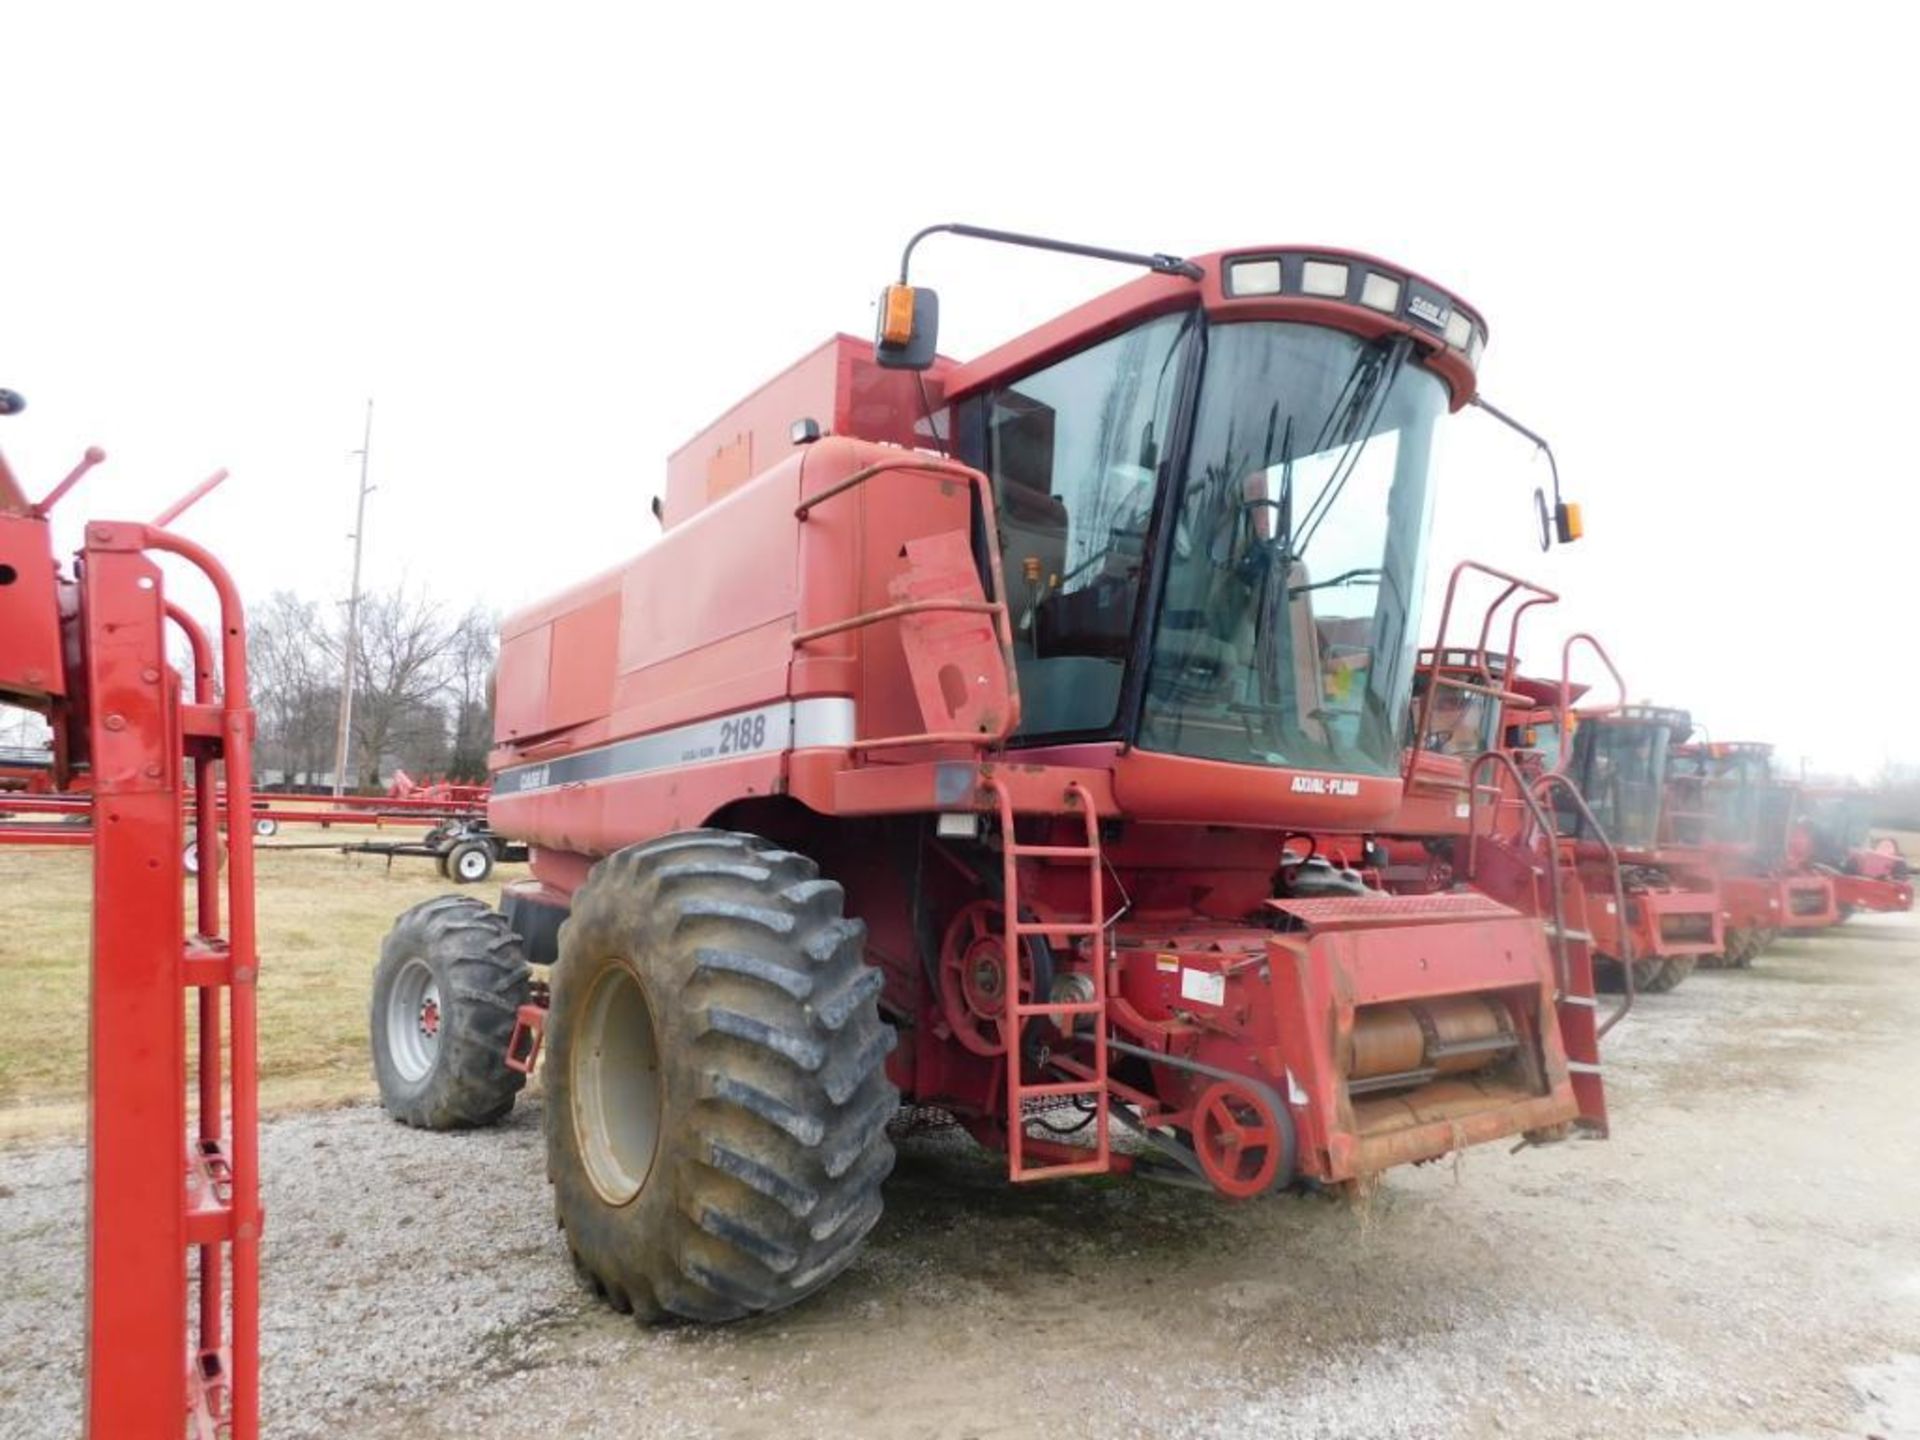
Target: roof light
column 1254, row 277
column 1323, row 277
column 1380, row 292
column 1459, row 329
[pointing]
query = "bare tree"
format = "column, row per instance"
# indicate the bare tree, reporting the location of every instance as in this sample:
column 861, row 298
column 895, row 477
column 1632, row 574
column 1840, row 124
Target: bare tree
column 405, row 648
column 423, row 697
column 475, row 648
column 293, row 657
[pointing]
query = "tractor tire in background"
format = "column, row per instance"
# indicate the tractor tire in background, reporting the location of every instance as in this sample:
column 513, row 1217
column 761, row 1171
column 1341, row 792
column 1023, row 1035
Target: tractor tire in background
column 451, row 979
column 190, row 851
column 265, row 826
column 1672, row 970
column 468, row 863
column 717, row 1095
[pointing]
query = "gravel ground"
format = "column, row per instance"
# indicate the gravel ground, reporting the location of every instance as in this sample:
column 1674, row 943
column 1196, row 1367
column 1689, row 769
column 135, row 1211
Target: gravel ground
column 1742, row 1262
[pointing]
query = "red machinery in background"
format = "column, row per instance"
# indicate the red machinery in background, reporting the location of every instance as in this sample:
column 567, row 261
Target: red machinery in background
column 173, row 1212
column 1619, row 758
column 1836, row 825
column 1748, row 822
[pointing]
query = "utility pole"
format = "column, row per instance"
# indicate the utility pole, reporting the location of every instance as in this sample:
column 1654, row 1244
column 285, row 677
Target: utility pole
column 343, row 739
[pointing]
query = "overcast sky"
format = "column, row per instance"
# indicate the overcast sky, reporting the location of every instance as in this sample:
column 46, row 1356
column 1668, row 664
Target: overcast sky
column 554, row 241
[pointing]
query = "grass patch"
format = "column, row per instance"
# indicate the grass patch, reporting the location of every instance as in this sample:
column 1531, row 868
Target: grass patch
column 322, row 917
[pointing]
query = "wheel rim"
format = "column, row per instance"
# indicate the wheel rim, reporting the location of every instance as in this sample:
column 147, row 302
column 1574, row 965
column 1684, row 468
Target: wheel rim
column 616, row 1085
column 1236, row 1141
column 471, row 864
column 413, row 1020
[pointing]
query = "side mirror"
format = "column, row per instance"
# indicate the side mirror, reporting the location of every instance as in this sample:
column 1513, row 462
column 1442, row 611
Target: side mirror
column 11, row 402
column 1567, row 522
column 908, row 331
column 1561, row 521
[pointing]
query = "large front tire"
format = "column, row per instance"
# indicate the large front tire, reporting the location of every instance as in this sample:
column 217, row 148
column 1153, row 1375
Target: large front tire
column 451, row 978
column 716, row 1079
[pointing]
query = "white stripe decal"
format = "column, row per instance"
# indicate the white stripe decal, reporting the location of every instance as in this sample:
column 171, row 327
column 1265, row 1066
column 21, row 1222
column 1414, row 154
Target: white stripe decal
column 764, row 730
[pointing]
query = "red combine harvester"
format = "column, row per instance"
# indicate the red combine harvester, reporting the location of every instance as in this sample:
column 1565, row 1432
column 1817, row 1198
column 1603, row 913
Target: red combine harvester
column 1619, row 758
column 1039, row 710
column 1837, row 823
column 1749, row 821
column 173, row 1202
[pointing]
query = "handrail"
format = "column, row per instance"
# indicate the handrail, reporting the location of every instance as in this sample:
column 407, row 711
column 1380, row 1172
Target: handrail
column 1532, row 802
column 1566, row 688
column 206, row 822
column 995, row 608
column 1531, row 797
column 1547, row 782
column 236, row 739
column 1539, row 595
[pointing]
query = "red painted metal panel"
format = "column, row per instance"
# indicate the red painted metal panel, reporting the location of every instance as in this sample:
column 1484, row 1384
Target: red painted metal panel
column 837, row 385
column 30, row 664
column 137, row 1259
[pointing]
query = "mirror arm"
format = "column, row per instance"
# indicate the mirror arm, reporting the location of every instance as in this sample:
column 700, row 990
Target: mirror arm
column 1507, row 420
column 1159, row 264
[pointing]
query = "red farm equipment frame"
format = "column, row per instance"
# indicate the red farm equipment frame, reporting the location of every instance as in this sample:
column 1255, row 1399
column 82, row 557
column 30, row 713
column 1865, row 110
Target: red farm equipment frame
column 1836, row 823
column 173, row 1213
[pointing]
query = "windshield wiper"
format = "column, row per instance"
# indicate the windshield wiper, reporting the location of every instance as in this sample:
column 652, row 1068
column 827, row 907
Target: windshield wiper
column 1372, row 380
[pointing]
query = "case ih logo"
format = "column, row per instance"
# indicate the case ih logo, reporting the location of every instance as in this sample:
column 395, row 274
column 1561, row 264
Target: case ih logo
column 1429, row 311
column 1321, row 785
column 531, row 779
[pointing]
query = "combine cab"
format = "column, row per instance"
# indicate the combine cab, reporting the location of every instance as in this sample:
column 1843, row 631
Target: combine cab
column 943, row 752
column 1620, row 761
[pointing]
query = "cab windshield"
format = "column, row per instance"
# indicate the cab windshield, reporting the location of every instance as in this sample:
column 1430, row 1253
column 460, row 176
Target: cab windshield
column 1620, row 769
column 1462, row 723
column 1286, row 625
column 1292, row 538
column 1839, row 824
column 1735, row 785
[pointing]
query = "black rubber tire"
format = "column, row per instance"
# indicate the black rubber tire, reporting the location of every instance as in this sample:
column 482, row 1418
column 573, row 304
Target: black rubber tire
column 770, row 1143
column 265, row 827
column 1668, row 976
column 468, row 863
column 440, row 864
column 482, row 977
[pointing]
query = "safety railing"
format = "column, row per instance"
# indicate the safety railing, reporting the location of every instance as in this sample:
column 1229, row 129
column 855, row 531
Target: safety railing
column 1486, row 683
column 995, row 608
column 1555, row 780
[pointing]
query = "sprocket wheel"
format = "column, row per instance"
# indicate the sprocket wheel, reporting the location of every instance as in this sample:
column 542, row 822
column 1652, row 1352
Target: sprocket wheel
column 973, row 977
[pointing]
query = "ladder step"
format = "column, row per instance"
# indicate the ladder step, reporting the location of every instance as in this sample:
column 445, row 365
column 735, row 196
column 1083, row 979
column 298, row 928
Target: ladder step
column 1062, row 930
column 209, row 1190
column 1061, row 1172
column 1053, row 852
column 1554, row 932
column 206, row 961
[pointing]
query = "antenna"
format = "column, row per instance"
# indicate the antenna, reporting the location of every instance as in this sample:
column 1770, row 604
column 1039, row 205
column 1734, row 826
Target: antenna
column 342, row 738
